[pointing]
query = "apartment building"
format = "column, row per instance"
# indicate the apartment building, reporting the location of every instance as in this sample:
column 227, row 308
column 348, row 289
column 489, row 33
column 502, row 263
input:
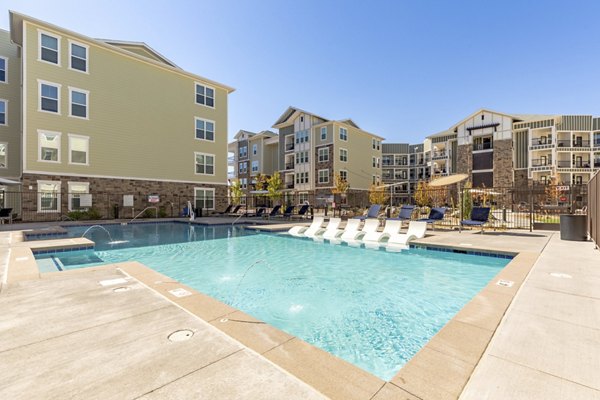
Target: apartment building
column 97, row 115
column 313, row 149
column 395, row 170
column 253, row 154
column 501, row 150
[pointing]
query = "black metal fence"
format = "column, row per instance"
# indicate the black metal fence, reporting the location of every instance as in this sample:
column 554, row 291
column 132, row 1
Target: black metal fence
column 533, row 207
column 593, row 208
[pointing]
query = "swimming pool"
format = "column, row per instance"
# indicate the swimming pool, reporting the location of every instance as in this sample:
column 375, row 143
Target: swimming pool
column 372, row 308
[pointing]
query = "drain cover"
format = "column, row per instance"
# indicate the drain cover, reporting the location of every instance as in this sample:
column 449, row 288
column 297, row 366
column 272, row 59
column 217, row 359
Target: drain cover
column 181, row 335
column 122, row 289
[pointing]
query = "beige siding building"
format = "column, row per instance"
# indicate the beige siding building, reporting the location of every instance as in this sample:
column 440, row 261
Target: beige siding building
column 111, row 116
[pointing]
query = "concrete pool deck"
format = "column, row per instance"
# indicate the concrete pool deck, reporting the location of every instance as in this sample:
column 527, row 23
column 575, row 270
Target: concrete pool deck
column 457, row 354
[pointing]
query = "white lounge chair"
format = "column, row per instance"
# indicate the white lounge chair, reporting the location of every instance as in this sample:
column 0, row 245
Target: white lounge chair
column 392, row 227
column 331, row 231
column 400, row 241
column 301, row 231
column 353, row 236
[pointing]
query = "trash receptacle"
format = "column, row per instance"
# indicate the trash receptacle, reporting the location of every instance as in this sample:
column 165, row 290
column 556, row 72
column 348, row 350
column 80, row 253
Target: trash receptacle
column 573, row 227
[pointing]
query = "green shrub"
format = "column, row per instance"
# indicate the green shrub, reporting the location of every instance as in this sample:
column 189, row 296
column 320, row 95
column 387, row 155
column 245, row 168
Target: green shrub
column 162, row 212
column 149, row 213
column 92, row 213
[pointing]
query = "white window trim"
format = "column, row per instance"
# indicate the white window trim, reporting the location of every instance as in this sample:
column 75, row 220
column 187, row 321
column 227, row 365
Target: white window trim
column 40, row 132
column 319, row 176
column 257, row 163
column 346, row 173
column 205, row 190
column 5, row 101
column 39, row 197
column 340, row 155
column 196, row 119
column 326, row 154
column 254, row 149
column 197, row 153
column 57, row 37
column 323, row 128
column 340, row 134
column 70, row 195
column 58, row 85
column 214, row 95
column 87, row 155
column 5, row 155
column 87, row 102
column 5, row 81
column 87, row 60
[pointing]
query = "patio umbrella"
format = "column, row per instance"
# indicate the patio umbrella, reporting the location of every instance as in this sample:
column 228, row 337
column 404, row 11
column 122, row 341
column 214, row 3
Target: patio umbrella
column 451, row 180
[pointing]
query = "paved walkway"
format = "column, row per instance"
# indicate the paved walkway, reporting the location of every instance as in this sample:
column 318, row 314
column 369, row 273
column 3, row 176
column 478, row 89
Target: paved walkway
column 548, row 344
column 66, row 336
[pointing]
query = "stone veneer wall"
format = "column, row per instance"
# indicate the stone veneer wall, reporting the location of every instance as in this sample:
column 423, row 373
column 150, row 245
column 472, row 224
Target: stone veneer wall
column 521, row 179
column 503, row 163
column 464, row 162
column 323, row 165
column 107, row 192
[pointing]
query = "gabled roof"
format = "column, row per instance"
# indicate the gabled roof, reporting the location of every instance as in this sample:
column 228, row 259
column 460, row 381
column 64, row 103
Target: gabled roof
column 241, row 132
column 289, row 113
column 140, row 48
column 16, row 36
column 478, row 112
column 349, row 122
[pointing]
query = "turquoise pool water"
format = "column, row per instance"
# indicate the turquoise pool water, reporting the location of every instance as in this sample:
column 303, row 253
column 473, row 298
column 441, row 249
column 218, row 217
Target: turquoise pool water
column 372, row 308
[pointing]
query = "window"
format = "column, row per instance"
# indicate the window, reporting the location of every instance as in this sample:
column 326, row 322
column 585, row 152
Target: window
column 343, row 134
column 302, row 177
column 343, row 155
column 205, row 95
column 324, row 133
column 243, row 167
column 78, row 57
column 79, row 197
column 204, row 198
column 3, row 114
column 205, row 164
column 378, row 144
column 49, row 146
column 78, row 149
column 378, row 162
column 302, row 157
column 374, row 162
column 3, row 67
column 323, row 176
column 301, row 137
column 205, row 130
column 254, row 149
column 323, row 154
column 243, row 151
column 374, row 179
column 3, row 155
column 344, row 175
column 244, row 183
column 48, row 196
column 49, row 97
column 78, row 99
column 49, row 48
column 255, row 166
column 374, row 143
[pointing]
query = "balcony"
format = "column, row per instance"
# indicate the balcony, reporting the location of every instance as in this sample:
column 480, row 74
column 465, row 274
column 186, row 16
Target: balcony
column 574, row 165
column 289, row 185
column 483, row 146
column 289, row 146
column 541, row 144
column 289, row 165
column 567, row 145
column 542, row 162
column 436, row 155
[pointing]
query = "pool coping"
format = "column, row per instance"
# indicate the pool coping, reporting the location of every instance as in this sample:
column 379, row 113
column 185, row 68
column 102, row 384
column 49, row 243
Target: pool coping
column 440, row 370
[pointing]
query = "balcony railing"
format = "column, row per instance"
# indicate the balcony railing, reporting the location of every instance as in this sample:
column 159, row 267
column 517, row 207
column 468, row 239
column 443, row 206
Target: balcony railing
column 289, row 166
column 289, row 146
column 289, row 185
column 483, row 146
column 573, row 164
column 541, row 141
column 563, row 143
column 581, row 143
column 439, row 154
column 541, row 162
column 563, row 164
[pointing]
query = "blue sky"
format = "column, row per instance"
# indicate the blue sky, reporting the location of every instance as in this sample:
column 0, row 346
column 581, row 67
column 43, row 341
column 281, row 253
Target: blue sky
column 401, row 69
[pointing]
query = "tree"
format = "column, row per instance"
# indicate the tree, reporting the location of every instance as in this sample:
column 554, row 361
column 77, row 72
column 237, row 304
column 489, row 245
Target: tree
column 340, row 186
column 377, row 195
column 235, row 191
column 551, row 191
column 422, row 197
column 261, row 181
column 467, row 200
column 274, row 185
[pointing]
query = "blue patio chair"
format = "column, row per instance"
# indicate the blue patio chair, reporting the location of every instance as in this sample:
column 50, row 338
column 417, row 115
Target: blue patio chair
column 479, row 217
column 372, row 213
column 405, row 214
column 435, row 215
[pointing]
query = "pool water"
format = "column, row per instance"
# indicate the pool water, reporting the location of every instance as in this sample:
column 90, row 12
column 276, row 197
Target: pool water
column 372, row 308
